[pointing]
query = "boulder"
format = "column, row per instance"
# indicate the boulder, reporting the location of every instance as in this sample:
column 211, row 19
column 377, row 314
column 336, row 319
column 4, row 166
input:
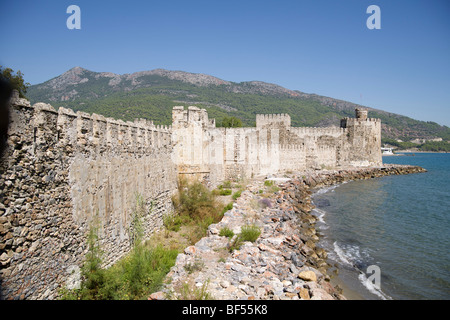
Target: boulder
column 308, row 276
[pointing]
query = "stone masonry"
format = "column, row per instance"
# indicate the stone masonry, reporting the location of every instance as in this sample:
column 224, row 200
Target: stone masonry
column 62, row 171
column 215, row 154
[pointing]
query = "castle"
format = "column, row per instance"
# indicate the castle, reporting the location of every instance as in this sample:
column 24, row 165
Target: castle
column 217, row 154
column 62, row 170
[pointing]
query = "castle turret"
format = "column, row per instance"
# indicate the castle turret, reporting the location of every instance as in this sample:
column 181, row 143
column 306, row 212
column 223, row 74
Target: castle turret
column 361, row 114
column 364, row 137
column 181, row 117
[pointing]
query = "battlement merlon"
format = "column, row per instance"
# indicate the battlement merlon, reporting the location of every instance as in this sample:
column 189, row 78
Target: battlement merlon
column 273, row 120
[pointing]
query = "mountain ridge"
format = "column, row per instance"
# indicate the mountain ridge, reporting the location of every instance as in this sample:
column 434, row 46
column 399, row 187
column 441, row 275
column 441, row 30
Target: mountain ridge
column 153, row 93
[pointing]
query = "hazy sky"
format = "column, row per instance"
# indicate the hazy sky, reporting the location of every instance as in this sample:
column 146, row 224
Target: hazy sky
column 318, row 46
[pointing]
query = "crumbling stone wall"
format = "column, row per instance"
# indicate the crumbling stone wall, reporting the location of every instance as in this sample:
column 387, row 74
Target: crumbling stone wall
column 60, row 171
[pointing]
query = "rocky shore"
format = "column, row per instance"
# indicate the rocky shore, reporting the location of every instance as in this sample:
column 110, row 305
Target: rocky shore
column 285, row 261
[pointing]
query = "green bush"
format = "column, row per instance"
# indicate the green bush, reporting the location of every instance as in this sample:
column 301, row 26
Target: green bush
column 225, row 192
column 172, row 222
column 227, row 207
column 134, row 277
column 196, row 201
column 236, row 195
column 268, row 183
column 231, row 122
column 250, row 233
column 227, row 184
column 92, row 274
column 196, row 293
column 226, row 232
column 195, row 204
column 137, row 275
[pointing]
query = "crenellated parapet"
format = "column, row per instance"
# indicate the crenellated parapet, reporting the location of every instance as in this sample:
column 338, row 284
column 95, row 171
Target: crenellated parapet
column 85, row 133
column 317, row 131
column 361, row 116
column 273, row 120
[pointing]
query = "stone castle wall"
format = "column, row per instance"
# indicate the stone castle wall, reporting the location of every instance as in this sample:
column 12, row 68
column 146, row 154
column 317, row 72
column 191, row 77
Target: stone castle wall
column 64, row 170
column 217, row 154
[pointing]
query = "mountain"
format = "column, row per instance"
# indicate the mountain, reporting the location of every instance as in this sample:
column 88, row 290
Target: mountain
column 152, row 94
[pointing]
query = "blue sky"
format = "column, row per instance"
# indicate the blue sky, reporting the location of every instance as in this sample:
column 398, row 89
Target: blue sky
column 319, row 46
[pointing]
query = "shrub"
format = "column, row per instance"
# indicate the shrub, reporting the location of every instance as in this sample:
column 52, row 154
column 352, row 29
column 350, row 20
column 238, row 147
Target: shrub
column 196, row 293
column 196, row 201
column 196, row 204
column 172, row 222
column 264, row 203
column 227, row 184
column 237, row 194
column 250, row 233
column 132, row 278
column 141, row 272
column 225, row 192
column 226, row 232
column 272, row 186
column 227, row 207
column 196, row 266
column 274, row 189
column 268, row 183
column 93, row 276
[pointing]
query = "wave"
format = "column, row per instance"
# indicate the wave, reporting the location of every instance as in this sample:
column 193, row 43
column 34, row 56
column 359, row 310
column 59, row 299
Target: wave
column 326, row 189
column 341, row 254
column 372, row 287
column 352, row 256
column 320, row 214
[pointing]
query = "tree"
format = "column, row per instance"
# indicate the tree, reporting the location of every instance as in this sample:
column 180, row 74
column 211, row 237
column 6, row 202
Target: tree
column 231, row 122
column 5, row 94
column 15, row 80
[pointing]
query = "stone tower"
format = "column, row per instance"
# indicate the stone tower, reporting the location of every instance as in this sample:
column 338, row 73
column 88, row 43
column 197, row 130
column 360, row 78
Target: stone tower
column 361, row 114
column 363, row 147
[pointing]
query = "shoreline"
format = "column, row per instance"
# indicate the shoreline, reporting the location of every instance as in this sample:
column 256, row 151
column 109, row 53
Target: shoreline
column 285, row 262
column 337, row 177
column 400, row 152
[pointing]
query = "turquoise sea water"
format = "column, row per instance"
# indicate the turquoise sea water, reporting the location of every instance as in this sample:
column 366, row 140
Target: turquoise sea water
column 399, row 224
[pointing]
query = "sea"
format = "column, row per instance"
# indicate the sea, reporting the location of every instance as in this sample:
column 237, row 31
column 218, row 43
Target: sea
column 389, row 237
